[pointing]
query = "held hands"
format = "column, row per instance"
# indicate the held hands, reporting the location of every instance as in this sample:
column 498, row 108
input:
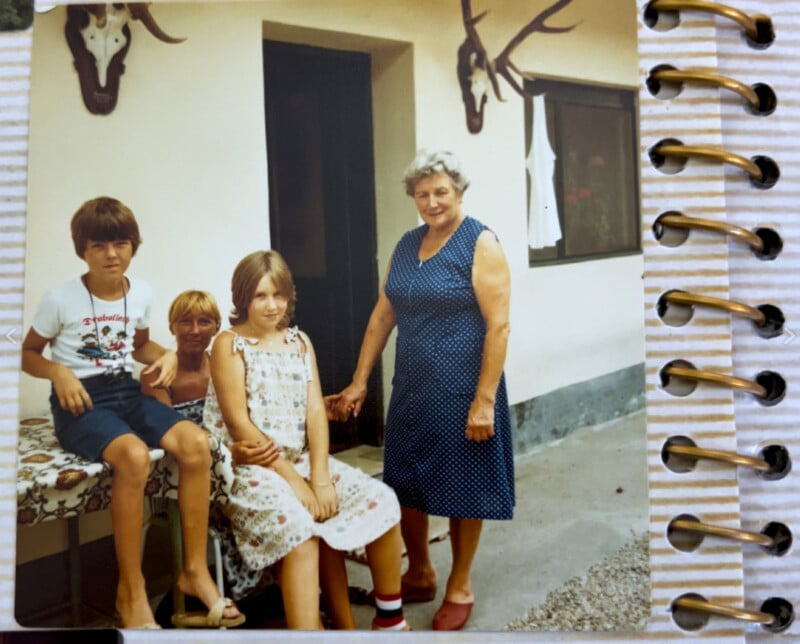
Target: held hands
column 166, row 366
column 254, row 452
column 348, row 401
column 480, row 420
column 70, row 391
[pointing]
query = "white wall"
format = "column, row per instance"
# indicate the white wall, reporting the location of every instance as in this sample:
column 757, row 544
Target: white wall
column 185, row 148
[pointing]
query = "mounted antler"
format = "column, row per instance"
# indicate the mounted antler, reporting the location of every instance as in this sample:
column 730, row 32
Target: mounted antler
column 475, row 68
column 99, row 37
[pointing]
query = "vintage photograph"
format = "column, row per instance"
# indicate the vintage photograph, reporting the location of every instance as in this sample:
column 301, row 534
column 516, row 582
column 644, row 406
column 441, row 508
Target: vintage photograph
column 367, row 275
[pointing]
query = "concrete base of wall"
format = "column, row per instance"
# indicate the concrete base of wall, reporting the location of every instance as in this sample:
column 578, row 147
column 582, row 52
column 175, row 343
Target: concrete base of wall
column 557, row 413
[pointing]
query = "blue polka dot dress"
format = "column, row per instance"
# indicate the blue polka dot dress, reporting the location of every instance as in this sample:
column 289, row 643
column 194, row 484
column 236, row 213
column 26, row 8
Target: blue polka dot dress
column 428, row 460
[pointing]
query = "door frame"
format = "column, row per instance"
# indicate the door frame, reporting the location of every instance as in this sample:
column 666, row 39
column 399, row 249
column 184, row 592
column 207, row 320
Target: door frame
column 394, row 136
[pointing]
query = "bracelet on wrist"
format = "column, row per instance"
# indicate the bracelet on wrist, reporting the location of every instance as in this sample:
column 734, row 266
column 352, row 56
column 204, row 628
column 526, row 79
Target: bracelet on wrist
column 322, row 484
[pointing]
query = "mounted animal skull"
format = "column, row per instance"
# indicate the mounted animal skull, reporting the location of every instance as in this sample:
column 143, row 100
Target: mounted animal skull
column 99, row 37
column 477, row 73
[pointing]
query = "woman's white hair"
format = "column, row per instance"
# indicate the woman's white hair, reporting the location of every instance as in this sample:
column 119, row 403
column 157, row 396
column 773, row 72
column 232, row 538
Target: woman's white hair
column 427, row 163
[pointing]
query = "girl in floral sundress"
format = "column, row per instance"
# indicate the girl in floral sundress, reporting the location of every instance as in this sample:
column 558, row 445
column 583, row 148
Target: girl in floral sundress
column 304, row 508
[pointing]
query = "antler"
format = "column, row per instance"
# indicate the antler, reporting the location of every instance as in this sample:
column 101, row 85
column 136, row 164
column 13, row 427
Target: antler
column 502, row 63
column 474, row 66
column 472, row 48
column 140, row 11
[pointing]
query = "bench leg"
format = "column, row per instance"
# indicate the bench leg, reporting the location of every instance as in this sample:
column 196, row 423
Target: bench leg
column 75, row 584
column 176, row 540
column 213, row 537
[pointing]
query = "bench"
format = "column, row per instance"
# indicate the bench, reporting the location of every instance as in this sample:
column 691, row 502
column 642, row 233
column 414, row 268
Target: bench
column 53, row 484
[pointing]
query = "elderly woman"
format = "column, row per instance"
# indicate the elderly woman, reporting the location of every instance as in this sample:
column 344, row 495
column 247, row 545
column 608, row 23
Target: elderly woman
column 448, row 449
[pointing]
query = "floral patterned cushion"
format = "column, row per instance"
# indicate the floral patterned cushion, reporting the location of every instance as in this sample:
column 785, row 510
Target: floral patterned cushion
column 54, row 484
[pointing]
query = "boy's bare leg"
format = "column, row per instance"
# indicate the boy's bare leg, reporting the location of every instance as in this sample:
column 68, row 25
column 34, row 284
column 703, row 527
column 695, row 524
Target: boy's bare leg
column 333, row 582
column 188, row 444
column 299, row 575
column 129, row 458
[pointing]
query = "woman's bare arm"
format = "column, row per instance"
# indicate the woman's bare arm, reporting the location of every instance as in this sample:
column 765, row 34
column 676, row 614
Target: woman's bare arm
column 491, row 280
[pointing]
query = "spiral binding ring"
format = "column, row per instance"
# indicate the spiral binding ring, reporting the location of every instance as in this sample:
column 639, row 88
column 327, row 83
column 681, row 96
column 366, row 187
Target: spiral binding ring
column 727, row 533
column 680, row 150
column 720, row 378
column 747, row 236
column 708, row 78
column 733, row 458
column 731, row 306
column 763, row 173
column 748, row 23
column 702, row 606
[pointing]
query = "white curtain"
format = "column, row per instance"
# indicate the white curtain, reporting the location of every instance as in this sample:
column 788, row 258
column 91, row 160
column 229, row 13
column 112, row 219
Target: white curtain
column 544, row 228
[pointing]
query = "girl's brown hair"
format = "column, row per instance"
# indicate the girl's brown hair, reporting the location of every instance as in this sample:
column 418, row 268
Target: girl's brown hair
column 249, row 272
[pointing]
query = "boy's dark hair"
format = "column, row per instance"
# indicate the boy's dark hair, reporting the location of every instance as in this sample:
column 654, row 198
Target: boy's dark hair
column 103, row 219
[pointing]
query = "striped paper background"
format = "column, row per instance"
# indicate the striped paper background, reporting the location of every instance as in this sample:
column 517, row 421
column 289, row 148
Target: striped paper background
column 774, row 282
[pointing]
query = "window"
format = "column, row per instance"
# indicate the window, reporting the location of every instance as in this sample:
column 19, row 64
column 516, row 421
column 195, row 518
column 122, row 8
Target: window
column 592, row 209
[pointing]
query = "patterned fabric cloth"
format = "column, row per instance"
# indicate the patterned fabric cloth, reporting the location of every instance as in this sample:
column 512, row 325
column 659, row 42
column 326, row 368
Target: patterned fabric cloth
column 428, row 460
column 55, row 484
column 266, row 518
column 192, row 410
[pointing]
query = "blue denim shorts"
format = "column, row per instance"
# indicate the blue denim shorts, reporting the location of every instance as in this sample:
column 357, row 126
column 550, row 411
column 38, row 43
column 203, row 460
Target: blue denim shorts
column 119, row 407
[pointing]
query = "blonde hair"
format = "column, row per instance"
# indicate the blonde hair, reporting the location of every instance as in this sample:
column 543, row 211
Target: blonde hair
column 249, row 272
column 194, row 302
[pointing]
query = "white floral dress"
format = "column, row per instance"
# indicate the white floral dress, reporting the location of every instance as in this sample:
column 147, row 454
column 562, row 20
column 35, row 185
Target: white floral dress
column 266, row 518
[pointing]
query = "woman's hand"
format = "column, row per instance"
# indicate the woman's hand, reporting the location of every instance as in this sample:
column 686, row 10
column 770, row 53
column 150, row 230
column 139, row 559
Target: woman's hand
column 349, row 401
column 167, row 367
column 480, row 420
column 71, row 393
column 254, row 452
column 327, row 499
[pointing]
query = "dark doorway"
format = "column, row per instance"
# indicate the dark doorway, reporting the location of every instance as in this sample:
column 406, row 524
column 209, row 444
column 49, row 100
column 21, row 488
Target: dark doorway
column 322, row 209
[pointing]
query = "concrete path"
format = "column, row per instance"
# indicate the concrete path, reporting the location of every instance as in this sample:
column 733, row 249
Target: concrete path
column 578, row 499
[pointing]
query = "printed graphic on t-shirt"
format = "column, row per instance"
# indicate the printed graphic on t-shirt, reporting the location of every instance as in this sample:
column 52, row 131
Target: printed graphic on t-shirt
column 104, row 339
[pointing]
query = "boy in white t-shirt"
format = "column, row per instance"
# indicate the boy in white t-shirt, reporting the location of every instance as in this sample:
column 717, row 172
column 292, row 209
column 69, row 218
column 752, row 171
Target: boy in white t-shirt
column 96, row 325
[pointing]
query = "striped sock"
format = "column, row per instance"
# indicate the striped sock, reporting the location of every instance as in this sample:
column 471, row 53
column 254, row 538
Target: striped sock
column 389, row 613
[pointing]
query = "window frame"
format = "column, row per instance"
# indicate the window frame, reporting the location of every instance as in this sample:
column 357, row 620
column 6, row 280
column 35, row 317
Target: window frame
column 562, row 94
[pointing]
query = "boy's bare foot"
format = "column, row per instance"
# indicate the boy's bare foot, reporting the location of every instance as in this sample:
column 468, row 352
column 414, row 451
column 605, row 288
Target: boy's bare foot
column 134, row 609
column 202, row 586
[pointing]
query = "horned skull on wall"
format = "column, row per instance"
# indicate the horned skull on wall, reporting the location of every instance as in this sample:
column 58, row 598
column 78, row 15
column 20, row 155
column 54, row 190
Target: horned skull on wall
column 477, row 73
column 99, row 37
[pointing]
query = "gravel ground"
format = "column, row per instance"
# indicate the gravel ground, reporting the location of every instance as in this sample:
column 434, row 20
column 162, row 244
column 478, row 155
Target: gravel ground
column 614, row 595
